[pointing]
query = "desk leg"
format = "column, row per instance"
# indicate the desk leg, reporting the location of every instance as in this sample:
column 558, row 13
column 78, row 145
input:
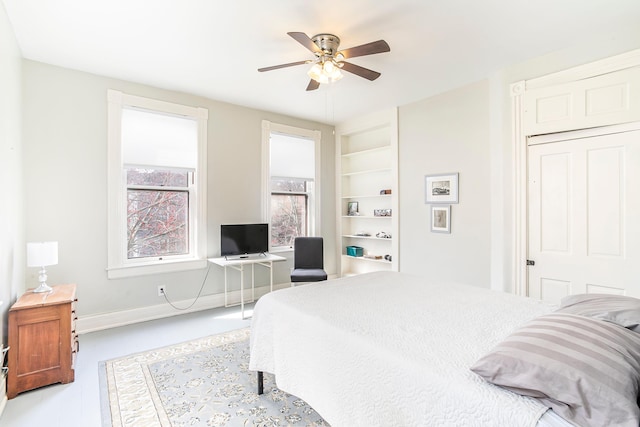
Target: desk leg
column 226, row 292
column 253, row 282
column 242, row 290
column 271, row 275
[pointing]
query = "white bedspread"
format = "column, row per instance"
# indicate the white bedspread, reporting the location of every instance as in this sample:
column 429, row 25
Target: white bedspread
column 390, row 349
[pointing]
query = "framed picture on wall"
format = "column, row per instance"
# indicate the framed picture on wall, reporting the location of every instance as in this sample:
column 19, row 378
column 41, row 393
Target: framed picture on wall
column 442, row 188
column 441, row 218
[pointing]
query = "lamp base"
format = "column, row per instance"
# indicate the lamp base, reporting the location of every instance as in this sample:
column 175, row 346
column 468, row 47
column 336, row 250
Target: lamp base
column 42, row 288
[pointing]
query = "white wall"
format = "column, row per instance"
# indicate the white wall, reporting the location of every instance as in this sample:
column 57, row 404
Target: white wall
column 12, row 247
column 65, row 146
column 446, row 134
column 441, row 134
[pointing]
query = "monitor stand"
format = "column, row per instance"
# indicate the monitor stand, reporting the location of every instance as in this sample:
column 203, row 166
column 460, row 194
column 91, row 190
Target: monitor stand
column 245, row 256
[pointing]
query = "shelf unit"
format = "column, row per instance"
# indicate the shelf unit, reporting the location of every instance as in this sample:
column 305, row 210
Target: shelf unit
column 366, row 165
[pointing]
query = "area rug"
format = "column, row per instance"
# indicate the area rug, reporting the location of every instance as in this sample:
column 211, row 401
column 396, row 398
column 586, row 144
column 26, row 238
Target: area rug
column 205, row 382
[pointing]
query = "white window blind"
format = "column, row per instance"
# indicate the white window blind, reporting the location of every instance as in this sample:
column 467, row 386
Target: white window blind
column 292, row 157
column 159, row 140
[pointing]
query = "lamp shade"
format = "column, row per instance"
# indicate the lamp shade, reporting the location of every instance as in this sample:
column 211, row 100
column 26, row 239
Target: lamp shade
column 40, row 254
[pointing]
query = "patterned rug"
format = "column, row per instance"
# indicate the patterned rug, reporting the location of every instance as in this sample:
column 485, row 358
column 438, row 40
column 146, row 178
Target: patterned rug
column 205, row 382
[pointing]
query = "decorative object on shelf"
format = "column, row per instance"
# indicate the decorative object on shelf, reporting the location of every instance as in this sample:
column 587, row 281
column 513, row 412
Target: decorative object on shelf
column 383, row 235
column 382, row 212
column 388, row 191
column 387, row 257
column 371, row 256
column 362, row 234
column 356, row 251
column 352, row 209
column 441, row 218
column 442, row 188
column 42, row 254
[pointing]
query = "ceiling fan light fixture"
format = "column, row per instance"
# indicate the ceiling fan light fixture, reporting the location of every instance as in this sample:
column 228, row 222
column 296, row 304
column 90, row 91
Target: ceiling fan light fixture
column 328, row 67
column 325, row 72
column 335, row 75
column 316, row 73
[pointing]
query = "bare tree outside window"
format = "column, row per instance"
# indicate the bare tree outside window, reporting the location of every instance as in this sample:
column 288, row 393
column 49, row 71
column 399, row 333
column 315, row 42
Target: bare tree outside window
column 157, row 213
column 289, row 210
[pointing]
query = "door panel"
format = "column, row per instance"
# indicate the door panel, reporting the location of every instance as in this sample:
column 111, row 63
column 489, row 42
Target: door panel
column 584, row 216
column 555, row 189
column 605, row 201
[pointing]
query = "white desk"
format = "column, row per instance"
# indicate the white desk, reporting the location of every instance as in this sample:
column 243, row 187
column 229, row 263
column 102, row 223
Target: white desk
column 238, row 264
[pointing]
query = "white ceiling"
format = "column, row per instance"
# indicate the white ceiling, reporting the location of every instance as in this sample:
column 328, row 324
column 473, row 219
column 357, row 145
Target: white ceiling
column 213, row 48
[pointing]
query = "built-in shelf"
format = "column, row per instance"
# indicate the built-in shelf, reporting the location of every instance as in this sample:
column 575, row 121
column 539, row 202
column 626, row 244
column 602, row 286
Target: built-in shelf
column 370, row 196
column 355, row 236
column 366, row 172
column 367, row 166
column 362, row 258
column 366, row 216
column 368, row 151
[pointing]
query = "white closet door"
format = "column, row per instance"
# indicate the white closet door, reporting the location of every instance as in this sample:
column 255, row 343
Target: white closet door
column 584, row 216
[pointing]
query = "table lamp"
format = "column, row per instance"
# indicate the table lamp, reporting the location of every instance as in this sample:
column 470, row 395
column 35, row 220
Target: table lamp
column 41, row 254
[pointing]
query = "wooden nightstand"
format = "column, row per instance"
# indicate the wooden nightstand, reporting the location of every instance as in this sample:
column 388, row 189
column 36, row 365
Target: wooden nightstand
column 42, row 339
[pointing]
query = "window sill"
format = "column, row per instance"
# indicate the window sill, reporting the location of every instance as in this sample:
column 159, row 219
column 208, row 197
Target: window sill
column 157, row 268
column 280, row 250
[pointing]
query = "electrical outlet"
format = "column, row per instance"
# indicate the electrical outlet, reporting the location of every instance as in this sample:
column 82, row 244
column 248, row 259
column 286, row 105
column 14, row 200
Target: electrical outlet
column 161, row 290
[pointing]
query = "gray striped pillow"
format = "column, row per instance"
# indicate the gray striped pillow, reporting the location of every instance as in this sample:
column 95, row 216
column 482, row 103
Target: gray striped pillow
column 587, row 370
column 620, row 309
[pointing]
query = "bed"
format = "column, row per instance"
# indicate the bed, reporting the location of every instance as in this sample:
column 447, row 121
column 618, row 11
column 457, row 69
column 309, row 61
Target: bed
column 391, row 349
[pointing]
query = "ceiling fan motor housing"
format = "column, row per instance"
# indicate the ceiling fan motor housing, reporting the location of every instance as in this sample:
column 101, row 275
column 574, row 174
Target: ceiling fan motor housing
column 327, row 42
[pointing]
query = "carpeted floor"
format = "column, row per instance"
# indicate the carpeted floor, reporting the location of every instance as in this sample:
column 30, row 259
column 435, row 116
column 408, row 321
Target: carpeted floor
column 205, row 382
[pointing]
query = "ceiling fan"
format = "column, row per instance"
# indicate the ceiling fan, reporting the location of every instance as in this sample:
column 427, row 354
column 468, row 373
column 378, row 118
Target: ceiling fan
column 329, row 60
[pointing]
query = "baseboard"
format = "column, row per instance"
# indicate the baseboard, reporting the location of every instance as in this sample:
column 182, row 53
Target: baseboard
column 99, row 322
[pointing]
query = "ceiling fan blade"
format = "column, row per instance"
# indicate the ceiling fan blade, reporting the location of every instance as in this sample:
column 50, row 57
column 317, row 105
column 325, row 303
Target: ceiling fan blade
column 305, row 41
column 360, row 71
column 290, row 64
column 379, row 46
column 313, row 85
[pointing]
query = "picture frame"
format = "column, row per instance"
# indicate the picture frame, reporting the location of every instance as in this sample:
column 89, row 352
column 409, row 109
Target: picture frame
column 441, row 188
column 441, row 219
column 352, row 208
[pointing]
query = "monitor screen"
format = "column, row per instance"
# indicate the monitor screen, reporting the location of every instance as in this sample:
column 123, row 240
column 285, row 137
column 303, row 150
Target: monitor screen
column 242, row 239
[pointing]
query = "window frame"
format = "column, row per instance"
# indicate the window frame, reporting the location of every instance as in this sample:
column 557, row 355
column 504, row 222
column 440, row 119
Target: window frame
column 189, row 189
column 309, row 196
column 118, row 265
column 314, row 208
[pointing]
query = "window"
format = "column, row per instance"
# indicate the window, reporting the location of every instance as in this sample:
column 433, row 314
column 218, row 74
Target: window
column 157, row 212
column 289, row 210
column 157, row 175
column 291, row 172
